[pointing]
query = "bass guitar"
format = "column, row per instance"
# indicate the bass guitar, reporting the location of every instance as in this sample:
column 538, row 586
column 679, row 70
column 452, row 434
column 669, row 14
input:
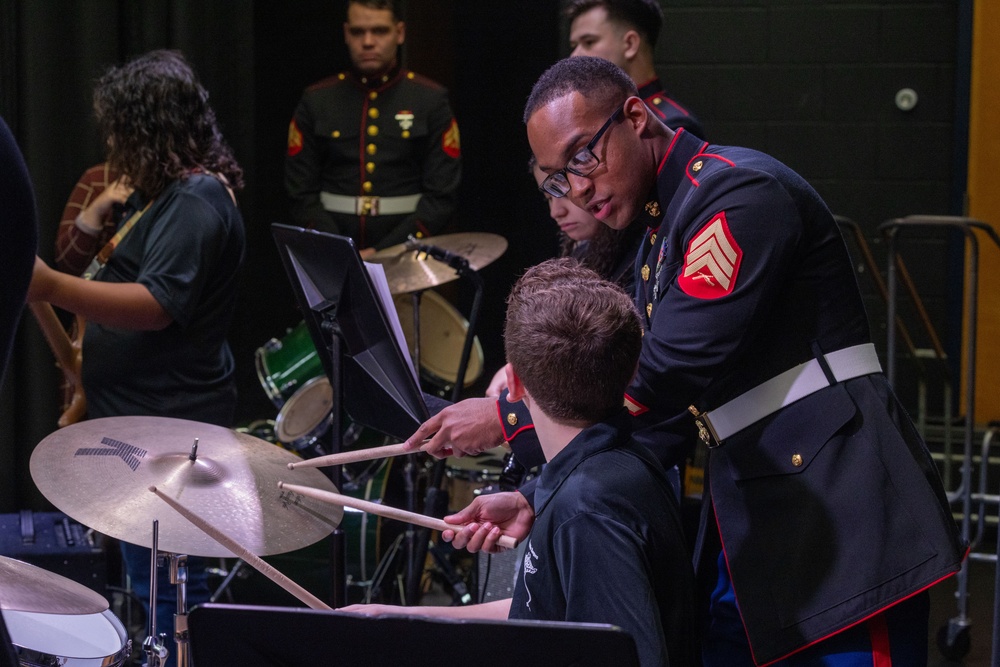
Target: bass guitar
column 69, row 358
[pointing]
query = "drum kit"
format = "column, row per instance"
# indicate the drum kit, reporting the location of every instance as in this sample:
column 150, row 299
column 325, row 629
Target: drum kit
column 184, row 488
column 289, row 368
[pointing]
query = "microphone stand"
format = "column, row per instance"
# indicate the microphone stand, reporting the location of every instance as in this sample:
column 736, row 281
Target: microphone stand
column 432, row 500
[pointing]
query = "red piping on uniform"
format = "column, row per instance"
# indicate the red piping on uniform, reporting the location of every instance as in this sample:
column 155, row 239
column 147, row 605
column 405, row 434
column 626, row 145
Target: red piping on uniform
column 699, row 154
column 673, row 142
column 714, row 156
column 646, row 84
column 676, row 106
column 503, row 432
column 836, row 632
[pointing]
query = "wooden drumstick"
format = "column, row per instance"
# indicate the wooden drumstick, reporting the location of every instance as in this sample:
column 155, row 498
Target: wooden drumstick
column 505, row 541
column 239, row 550
column 351, row 457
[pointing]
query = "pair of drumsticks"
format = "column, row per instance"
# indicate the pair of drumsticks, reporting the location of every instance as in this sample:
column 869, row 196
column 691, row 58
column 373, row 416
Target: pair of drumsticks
column 505, row 541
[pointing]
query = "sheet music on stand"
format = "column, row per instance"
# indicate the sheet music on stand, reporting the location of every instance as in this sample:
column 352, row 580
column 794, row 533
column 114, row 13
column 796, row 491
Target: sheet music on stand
column 347, row 307
column 381, row 284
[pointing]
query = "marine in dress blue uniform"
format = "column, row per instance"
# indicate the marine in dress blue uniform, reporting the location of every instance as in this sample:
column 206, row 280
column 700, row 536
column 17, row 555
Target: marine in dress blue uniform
column 376, row 158
column 744, row 277
column 828, row 511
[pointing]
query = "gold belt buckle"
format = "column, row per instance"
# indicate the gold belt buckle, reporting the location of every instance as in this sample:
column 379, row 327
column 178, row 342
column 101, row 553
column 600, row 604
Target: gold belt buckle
column 705, row 433
column 367, row 205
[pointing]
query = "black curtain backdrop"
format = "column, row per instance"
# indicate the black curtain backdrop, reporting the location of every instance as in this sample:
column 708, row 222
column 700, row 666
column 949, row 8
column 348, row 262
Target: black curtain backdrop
column 255, row 58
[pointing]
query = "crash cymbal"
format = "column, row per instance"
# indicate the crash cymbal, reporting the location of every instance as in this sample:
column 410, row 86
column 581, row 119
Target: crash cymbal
column 99, row 472
column 410, row 270
column 26, row 587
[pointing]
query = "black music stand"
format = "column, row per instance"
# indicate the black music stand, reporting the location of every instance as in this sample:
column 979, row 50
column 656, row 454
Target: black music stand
column 344, row 314
column 347, row 321
column 282, row 637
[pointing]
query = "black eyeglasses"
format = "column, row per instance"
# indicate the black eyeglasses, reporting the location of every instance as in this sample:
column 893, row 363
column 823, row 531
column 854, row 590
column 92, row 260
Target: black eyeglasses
column 581, row 164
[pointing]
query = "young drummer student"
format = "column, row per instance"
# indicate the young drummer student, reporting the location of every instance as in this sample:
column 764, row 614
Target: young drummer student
column 606, row 545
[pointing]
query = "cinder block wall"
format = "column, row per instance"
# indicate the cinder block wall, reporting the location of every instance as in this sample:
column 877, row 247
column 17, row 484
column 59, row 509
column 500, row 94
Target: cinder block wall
column 815, row 84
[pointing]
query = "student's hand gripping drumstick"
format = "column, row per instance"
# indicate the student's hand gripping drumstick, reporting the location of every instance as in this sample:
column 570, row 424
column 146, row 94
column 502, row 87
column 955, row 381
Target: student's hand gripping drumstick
column 505, row 541
column 351, row 457
column 242, row 552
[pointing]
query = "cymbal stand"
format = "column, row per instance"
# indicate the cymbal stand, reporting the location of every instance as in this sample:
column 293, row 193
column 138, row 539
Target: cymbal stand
column 154, row 648
column 179, row 577
column 431, row 501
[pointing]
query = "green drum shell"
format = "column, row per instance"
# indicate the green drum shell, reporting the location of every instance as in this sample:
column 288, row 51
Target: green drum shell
column 285, row 365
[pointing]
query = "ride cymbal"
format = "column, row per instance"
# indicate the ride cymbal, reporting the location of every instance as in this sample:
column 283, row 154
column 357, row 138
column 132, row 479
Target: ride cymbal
column 410, row 270
column 26, row 587
column 99, row 472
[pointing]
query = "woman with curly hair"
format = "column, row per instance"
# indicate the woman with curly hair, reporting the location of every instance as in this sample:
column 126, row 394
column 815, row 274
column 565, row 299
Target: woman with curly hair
column 159, row 297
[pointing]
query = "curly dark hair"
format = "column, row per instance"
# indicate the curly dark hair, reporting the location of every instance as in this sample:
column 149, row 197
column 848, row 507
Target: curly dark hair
column 155, row 118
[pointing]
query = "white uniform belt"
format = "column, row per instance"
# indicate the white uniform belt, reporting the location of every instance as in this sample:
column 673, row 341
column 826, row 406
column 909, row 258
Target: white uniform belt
column 788, row 387
column 369, row 205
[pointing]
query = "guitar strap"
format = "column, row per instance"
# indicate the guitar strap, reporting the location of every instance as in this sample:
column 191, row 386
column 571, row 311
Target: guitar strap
column 104, row 254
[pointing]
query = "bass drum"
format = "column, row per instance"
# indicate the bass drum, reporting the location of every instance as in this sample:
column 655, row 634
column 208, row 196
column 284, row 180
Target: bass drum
column 442, row 336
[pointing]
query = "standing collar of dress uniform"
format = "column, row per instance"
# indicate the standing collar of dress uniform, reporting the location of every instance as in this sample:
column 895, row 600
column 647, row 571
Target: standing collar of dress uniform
column 650, row 88
column 378, row 82
column 673, row 166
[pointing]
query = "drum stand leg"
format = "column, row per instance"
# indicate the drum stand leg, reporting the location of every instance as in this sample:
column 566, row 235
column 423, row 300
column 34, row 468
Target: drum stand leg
column 232, row 574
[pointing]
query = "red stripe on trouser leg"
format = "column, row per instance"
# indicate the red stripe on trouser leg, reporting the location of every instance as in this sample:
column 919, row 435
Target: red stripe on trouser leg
column 879, row 633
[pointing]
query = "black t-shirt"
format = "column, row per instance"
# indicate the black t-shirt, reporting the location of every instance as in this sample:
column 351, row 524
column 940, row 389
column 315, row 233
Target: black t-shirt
column 186, row 249
column 607, row 547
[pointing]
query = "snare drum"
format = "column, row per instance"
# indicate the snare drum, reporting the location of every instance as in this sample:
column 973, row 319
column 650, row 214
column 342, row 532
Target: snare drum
column 306, row 415
column 73, row 640
column 284, row 366
column 466, row 476
column 442, row 336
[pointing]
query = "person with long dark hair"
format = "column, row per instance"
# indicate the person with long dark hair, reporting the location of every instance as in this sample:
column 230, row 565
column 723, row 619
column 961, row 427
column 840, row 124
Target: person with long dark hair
column 159, row 297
